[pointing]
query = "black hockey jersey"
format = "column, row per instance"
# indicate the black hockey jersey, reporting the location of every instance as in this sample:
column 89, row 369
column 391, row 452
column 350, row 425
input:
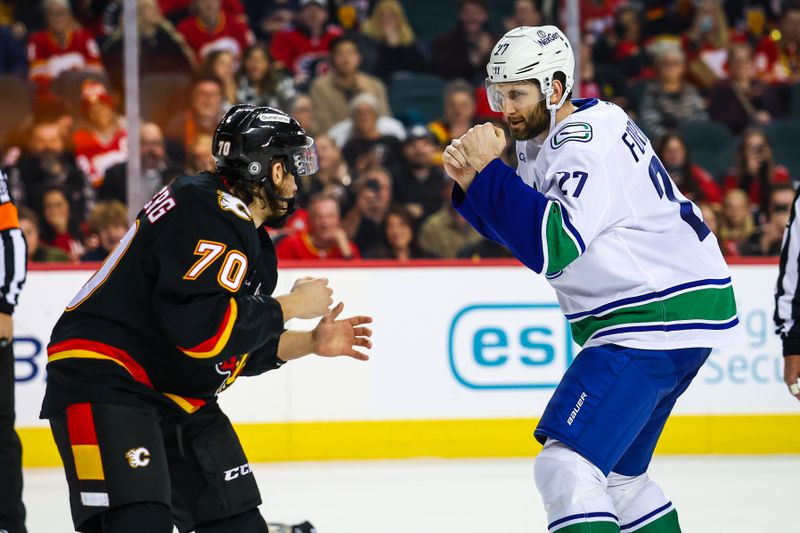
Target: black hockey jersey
column 179, row 309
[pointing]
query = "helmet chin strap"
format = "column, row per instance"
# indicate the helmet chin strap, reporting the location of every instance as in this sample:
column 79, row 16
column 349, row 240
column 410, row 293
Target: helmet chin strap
column 553, row 108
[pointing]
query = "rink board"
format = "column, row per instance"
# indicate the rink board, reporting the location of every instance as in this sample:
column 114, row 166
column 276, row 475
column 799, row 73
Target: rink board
column 465, row 360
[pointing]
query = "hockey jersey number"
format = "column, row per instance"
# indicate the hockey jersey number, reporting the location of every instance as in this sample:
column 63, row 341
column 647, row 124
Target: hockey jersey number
column 233, row 269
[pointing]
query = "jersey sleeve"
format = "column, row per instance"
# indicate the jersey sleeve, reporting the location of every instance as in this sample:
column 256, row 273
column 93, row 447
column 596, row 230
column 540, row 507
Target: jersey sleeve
column 545, row 233
column 787, row 296
column 13, row 250
column 201, row 261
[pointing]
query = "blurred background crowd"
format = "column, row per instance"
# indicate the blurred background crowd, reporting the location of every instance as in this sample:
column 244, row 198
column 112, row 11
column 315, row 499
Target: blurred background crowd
column 383, row 86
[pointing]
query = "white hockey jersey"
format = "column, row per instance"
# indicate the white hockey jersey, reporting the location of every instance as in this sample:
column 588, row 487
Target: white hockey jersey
column 630, row 258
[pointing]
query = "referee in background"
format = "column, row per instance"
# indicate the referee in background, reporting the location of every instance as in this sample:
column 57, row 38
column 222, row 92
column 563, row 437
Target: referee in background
column 787, row 301
column 13, row 257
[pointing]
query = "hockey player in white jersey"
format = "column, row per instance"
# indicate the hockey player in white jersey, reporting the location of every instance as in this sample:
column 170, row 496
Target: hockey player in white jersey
column 637, row 272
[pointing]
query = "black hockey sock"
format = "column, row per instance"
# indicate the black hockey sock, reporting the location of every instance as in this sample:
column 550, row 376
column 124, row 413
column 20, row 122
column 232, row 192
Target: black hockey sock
column 137, row 517
column 247, row 522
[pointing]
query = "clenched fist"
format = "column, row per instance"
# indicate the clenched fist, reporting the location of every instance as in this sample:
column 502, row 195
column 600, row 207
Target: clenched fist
column 311, row 297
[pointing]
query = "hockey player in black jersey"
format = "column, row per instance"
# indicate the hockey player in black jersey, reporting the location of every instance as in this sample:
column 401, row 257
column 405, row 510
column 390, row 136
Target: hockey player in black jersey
column 180, row 309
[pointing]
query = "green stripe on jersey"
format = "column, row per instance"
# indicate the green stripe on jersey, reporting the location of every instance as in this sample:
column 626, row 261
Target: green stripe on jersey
column 700, row 304
column 666, row 524
column 590, row 527
column 561, row 249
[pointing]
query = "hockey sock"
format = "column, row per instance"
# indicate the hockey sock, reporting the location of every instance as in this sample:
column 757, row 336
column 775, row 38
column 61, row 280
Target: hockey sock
column 573, row 491
column 665, row 523
column 641, row 505
column 248, row 522
column 137, row 517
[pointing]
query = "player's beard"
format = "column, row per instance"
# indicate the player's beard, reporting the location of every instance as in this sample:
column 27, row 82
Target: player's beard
column 535, row 122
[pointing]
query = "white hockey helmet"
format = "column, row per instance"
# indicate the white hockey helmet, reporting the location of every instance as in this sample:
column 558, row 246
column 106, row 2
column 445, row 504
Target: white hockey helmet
column 530, row 53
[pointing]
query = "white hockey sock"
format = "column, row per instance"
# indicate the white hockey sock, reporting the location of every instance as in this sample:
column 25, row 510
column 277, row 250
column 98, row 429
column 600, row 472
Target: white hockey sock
column 638, row 501
column 573, row 491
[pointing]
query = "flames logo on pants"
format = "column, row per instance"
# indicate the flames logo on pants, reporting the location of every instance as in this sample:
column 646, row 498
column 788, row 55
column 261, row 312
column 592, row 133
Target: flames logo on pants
column 230, row 368
column 138, row 457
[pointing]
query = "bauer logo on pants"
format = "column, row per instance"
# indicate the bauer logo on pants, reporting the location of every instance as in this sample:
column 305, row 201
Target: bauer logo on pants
column 510, row 346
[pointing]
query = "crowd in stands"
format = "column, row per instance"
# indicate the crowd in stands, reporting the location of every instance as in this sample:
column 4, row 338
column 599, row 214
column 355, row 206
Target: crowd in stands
column 383, row 86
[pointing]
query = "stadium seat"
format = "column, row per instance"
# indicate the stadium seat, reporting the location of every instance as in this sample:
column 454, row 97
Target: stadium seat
column 783, row 136
column 416, row 97
column 430, row 18
column 15, row 106
column 161, row 95
column 706, row 141
column 794, row 103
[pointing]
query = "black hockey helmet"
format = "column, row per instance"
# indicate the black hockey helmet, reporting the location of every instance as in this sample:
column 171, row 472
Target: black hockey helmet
column 249, row 137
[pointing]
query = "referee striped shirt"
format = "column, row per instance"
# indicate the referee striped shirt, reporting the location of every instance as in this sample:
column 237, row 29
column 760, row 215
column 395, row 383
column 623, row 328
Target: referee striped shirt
column 13, row 266
column 787, row 291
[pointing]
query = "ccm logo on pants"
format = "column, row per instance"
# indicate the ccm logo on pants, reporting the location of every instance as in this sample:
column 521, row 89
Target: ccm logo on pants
column 233, row 473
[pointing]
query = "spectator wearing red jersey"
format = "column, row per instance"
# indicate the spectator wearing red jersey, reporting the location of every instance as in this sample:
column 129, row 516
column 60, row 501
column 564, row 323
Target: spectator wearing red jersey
column 755, row 171
column 622, row 44
column 325, row 238
column 103, row 141
column 694, row 182
column 706, row 44
column 778, row 54
column 303, row 50
column 61, row 47
column 212, row 29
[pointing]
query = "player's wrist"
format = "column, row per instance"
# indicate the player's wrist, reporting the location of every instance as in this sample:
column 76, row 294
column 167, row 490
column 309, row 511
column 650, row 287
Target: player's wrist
column 288, row 303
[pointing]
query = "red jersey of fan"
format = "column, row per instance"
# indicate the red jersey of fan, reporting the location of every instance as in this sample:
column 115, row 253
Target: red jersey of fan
column 777, row 62
column 299, row 246
column 230, row 34
column 47, row 58
column 305, row 57
column 95, row 156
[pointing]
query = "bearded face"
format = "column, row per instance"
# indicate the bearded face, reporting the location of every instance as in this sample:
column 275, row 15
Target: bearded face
column 524, row 108
column 530, row 123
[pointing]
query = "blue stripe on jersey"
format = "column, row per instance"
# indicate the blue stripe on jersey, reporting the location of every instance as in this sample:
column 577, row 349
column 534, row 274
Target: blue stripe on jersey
column 572, row 230
column 581, row 515
column 647, row 516
column 649, row 296
column 667, row 327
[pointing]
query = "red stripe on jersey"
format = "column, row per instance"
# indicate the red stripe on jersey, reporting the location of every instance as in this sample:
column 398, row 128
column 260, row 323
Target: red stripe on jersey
column 212, row 346
column 80, row 424
column 73, row 347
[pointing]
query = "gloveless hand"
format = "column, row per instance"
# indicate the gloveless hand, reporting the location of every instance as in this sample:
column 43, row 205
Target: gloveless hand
column 333, row 337
column 481, row 145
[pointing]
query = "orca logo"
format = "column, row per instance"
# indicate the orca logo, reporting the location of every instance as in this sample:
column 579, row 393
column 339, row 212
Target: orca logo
column 138, row 457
